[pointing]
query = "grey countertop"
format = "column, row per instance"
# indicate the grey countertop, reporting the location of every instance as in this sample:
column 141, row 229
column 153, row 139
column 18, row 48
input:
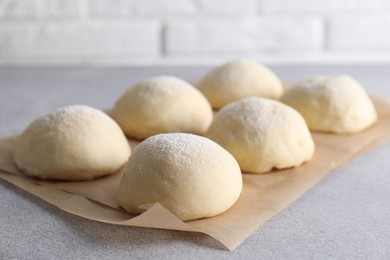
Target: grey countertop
column 345, row 216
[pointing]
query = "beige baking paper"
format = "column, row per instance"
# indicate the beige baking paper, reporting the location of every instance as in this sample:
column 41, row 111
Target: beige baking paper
column 262, row 197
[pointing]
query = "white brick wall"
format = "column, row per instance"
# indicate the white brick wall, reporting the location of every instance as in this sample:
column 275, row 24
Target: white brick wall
column 22, row 9
column 193, row 31
column 321, row 7
column 83, row 41
column 210, row 37
column 360, row 33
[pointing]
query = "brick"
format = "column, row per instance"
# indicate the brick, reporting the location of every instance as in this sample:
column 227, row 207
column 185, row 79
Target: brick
column 227, row 6
column 59, row 8
column 38, row 8
column 161, row 7
column 67, row 40
column 286, row 34
column 323, row 6
column 164, row 6
column 359, row 33
column 213, row 37
column 111, row 8
column 15, row 8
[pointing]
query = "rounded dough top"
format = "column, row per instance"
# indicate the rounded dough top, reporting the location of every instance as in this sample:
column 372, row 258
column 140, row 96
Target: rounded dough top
column 190, row 175
column 239, row 79
column 72, row 143
column 332, row 104
column 262, row 134
column 161, row 105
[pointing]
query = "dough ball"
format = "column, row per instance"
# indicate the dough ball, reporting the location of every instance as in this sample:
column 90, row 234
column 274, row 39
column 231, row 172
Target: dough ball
column 262, row 134
column 239, row 79
column 332, row 104
column 161, row 105
column 190, row 175
column 72, row 143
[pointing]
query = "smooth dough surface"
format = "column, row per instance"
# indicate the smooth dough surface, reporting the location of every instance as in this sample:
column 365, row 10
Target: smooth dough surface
column 262, row 134
column 190, row 175
column 162, row 104
column 72, row 143
column 332, row 104
column 239, row 79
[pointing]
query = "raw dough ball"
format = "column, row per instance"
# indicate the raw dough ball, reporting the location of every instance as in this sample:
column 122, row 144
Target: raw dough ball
column 262, row 134
column 332, row 104
column 161, row 105
column 72, row 143
column 239, row 79
column 190, row 175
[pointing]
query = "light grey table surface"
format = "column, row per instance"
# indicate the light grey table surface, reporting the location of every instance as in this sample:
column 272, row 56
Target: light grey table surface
column 345, row 216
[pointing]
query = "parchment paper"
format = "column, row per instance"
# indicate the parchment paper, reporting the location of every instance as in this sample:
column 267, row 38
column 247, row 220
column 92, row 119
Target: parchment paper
column 263, row 195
